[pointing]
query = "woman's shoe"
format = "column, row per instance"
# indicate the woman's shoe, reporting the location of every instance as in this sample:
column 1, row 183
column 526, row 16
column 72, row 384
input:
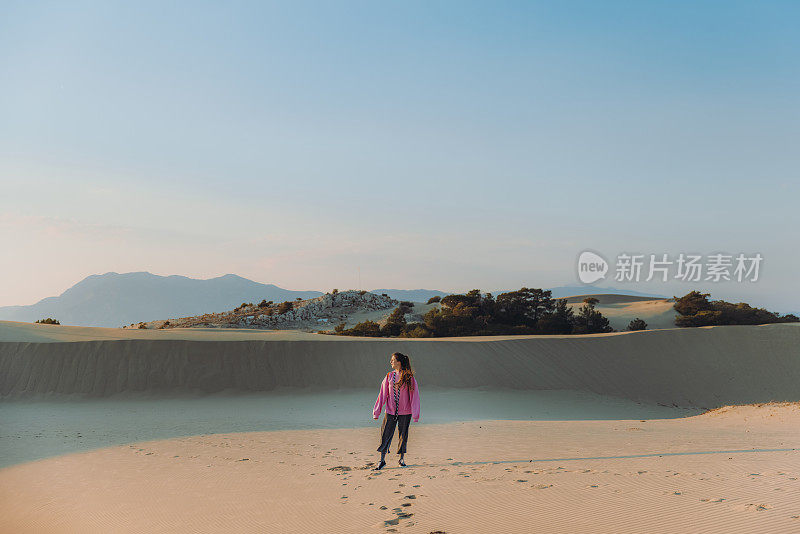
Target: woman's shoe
column 380, row 465
column 402, row 463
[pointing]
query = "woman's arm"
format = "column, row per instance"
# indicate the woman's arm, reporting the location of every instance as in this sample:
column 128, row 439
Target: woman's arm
column 376, row 411
column 415, row 402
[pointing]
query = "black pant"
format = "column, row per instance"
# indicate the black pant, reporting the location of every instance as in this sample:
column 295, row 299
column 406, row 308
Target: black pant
column 387, row 431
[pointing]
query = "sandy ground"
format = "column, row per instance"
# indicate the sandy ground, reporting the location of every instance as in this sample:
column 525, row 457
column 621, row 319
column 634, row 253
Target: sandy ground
column 471, row 469
column 732, row 470
column 36, row 429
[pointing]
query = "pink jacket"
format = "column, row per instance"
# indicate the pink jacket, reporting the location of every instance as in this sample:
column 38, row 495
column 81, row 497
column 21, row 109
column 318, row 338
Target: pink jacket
column 409, row 403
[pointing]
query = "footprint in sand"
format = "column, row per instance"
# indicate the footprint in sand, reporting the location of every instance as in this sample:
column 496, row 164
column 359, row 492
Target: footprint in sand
column 340, row 468
column 751, row 507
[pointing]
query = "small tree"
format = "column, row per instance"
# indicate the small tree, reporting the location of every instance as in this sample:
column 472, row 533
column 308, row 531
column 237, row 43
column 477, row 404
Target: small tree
column 285, row 306
column 395, row 323
column 637, row 324
column 334, row 291
column 49, row 320
column 692, row 303
column 590, row 321
column 559, row 321
column 437, row 298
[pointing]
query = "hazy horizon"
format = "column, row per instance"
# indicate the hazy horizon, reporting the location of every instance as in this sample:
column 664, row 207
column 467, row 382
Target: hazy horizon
column 447, row 146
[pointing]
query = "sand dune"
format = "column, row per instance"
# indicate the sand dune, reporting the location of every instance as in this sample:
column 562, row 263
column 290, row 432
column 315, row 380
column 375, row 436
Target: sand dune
column 622, row 309
column 706, row 367
column 731, row 471
column 610, row 298
column 734, row 469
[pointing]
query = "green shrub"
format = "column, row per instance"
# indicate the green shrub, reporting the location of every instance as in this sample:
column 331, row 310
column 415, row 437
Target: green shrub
column 590, row 321
column 416, row 330
column 395, row 323
column 437, row 298
column 637, row 324
column 694, row 309
column 365, row 329
column 49, row 320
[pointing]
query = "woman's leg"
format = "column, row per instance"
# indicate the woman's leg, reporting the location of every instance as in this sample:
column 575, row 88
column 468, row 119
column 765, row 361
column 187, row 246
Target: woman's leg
column 403, row 422
column 387, row 432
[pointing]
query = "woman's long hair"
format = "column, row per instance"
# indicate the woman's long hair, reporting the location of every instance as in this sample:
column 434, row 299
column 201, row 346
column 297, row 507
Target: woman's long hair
column 406, row 374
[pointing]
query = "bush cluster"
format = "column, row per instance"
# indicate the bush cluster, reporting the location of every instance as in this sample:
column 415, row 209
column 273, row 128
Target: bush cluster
column 527, row 311
column 694, row 309
column 637, row 324
column 285, row 306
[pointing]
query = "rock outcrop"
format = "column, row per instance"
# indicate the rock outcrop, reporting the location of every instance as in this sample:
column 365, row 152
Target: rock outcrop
column 327, row 309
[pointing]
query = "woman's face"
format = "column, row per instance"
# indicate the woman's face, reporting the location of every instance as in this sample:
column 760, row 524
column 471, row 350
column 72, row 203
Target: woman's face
column 394, row 363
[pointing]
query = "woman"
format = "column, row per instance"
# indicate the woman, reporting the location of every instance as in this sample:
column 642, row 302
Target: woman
column 400, row 393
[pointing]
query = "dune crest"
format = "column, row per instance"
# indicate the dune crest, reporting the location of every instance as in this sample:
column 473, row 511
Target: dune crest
column 703, row 367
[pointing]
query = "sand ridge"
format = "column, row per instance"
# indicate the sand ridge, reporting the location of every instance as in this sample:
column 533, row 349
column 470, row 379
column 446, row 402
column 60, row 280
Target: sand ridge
column 703, row 367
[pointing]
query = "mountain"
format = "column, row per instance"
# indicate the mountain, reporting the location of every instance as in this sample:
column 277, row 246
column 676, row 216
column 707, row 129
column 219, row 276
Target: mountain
column 413, row 295
column 114, row 299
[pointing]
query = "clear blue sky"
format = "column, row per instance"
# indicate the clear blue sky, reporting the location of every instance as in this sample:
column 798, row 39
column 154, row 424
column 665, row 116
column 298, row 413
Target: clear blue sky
column 446, row 145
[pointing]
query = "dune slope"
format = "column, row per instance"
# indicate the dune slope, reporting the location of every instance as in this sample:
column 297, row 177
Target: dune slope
column 706, row 367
